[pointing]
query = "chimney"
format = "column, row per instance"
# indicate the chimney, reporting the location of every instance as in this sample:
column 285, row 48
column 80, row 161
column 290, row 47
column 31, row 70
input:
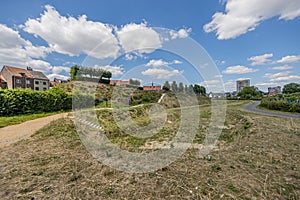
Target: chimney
column 29, row 68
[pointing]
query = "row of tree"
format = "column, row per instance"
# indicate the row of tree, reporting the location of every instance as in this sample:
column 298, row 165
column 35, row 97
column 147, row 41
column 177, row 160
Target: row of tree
column 252, row 92
column 80, row 73
column 197, row 89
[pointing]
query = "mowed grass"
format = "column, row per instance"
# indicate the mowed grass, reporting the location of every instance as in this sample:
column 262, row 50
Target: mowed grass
column 11, row 120
column 257, row 157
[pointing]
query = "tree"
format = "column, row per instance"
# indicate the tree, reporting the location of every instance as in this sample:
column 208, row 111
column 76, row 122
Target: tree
column 174, row 86
column 180, row 87
column 166, row 86
column 291, row 88
column 250, row 92
column 185, row 89
column 134, row 82
column 198, row 89
column 73, row 72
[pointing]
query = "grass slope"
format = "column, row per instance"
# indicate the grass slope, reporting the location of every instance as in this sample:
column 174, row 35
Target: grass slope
column 257, row 157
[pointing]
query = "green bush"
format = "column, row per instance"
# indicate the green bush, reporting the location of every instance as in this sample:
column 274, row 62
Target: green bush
column 287, row 103
column 26, row 101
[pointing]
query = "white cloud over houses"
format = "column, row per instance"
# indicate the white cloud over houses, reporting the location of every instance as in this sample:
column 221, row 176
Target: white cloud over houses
column 261, row 59
column 138, row 38
column 238, row 69
column 16, row 51
column 242, row 16
column 115, row 70
column 289, row 59
column 181, row 33
column 73, row 36
column 160, row 73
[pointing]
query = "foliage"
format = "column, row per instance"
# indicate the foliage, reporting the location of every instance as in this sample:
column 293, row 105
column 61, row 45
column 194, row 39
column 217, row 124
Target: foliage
column 134, row 82
column 291, row 88
column 250, row 92
column 199, row 90
column 287, row 103
column 166, row 86
column 90, row 74
column 26, row 101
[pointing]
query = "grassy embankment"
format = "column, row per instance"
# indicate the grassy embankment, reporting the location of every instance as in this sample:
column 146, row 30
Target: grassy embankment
column 256, row 158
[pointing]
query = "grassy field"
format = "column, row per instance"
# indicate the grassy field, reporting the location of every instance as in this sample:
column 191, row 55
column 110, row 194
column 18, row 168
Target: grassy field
column 257, row 157
column 7, row 121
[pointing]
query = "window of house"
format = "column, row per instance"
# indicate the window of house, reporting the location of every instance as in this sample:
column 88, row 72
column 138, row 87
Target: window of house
column 18, row 81
column 44, row 83
column 27, row 81
column 37, row 88
column 36, row 82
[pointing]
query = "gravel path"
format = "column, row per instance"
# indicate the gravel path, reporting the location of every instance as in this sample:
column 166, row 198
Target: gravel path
column 14, row 133
column 252, row 108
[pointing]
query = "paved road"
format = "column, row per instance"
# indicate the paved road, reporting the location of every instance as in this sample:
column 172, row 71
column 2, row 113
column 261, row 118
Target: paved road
column 252, row 108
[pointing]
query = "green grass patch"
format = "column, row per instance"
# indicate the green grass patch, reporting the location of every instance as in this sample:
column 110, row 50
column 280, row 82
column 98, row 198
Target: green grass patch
column 7, row 121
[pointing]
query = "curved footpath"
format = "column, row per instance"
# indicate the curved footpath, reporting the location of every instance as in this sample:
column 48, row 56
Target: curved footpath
column 14, row 133
column 252, row 108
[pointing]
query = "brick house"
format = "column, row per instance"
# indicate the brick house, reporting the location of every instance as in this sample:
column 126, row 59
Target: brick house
column 152, row 88
column 3, row 83
column 118, row 82
column 22, row 78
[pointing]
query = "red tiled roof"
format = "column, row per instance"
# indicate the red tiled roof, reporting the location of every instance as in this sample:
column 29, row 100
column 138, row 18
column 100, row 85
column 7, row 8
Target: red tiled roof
column 16, row 71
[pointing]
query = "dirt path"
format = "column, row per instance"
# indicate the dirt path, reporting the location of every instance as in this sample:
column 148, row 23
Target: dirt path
column 14, row 133
column 252, row 108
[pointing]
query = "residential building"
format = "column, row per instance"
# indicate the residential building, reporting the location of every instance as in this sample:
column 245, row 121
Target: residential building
column 240, row 84
column 274, row 90
column 57, row 81
column 152, row 88
column 24, row 78
column 3, row 83
column 118, row 82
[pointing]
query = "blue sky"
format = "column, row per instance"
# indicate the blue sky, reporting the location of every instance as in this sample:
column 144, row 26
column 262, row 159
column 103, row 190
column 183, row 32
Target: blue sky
column 243, row 39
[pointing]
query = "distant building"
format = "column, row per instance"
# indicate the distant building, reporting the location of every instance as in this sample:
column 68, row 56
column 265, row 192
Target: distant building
column 118, row 82
column 152, row 88
column 57, row 81
column 274, row 90
column 24, row 78
column 240, row 84
column 217, row 95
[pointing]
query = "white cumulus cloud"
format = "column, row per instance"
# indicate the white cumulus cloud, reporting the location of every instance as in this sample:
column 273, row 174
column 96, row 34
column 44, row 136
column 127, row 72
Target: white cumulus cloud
column 161, row 73
column 16, row 51
column 138, row 38
column 161, row 63
column 181, row 33
column 242, row 16
column 284, row 67
column 261, row 59
column 239, row 70
column 115, row 70
column 289, row 59
column 73, row 36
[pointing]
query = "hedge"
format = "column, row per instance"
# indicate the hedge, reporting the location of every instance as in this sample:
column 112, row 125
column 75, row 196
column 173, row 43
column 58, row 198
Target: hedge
column 26, row 101
column 286, row 103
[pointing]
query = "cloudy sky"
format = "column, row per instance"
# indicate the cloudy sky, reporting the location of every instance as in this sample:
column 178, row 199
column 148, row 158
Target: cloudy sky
column 243, row 38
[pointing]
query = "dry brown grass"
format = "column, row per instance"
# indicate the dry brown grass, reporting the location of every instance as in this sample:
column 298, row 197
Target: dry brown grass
column 257, row 158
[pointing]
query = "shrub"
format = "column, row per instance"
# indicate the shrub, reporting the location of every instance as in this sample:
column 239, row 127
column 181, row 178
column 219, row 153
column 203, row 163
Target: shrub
column 26, row 101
